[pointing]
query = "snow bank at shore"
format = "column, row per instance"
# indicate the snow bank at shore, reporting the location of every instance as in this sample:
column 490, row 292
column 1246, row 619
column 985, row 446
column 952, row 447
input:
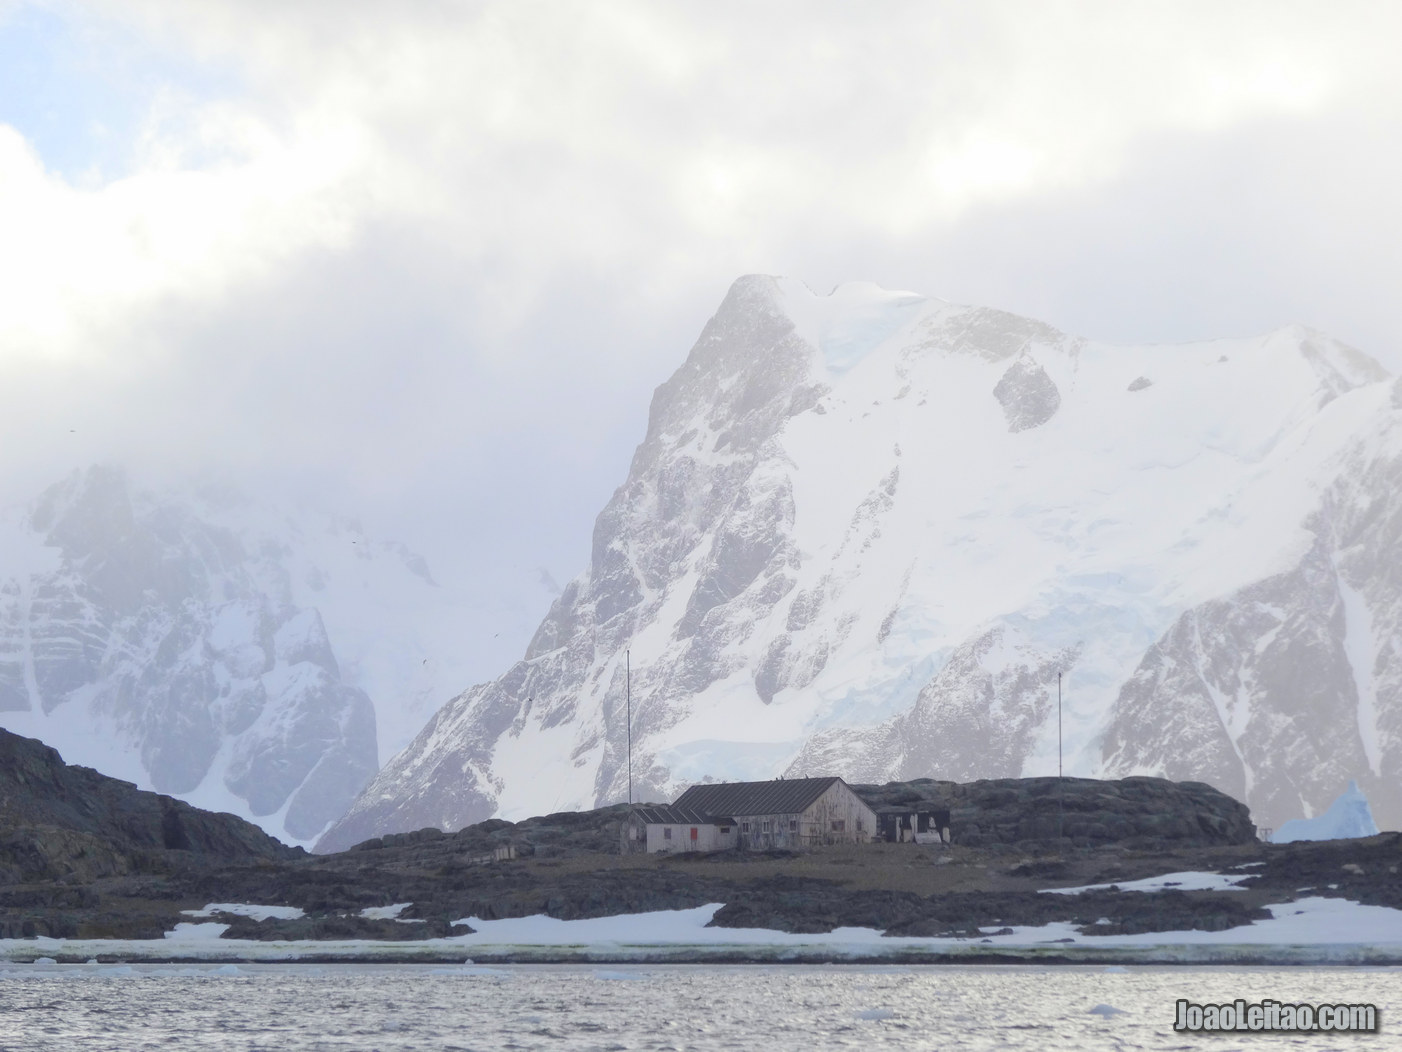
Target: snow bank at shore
column 1310, row 930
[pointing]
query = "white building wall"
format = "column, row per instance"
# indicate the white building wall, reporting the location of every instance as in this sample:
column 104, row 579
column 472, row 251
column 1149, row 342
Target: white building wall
column 708, row 838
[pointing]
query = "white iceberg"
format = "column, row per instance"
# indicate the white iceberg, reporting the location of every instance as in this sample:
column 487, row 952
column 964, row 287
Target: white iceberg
column 1347, row 817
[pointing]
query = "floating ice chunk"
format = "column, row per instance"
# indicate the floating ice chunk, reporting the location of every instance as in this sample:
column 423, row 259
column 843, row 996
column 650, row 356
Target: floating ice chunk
column 876, row 1013
column 1106, row 1010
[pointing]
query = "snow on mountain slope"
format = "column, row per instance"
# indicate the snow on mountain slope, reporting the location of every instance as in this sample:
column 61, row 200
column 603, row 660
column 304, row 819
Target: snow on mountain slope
column 1283, row 690
column 865, row 531
column 201, row 645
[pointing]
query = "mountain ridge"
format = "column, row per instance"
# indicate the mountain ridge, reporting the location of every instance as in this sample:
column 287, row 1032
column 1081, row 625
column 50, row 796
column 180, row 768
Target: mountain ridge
column 205, row 645
column 845, row 504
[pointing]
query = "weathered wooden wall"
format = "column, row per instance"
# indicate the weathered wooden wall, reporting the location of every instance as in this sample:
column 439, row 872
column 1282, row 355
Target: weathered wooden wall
column 814, row 826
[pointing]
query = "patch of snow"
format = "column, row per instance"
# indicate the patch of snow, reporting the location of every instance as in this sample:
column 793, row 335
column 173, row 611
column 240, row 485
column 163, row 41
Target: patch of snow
column 850, row 321
column 26, row 554
column 185, row 932
column 1187, row 881
column 239, row 909
column 1360, row 647
column 726, row 761
column 1311, row 928
column 385, row 912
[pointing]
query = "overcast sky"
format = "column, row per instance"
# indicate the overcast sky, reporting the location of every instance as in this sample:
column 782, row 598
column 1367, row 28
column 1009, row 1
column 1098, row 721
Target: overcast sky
column 427, row 261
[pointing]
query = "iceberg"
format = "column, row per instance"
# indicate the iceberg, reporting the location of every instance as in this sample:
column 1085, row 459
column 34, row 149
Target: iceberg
column 1348, row 816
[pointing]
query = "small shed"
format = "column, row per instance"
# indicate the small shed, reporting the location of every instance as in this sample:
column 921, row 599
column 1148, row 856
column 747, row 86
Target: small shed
column 919, row 825
column 670, row 828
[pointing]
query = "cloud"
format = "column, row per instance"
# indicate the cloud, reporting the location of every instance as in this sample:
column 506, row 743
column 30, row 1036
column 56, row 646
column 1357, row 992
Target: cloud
column 432, row 258
column 654, row 143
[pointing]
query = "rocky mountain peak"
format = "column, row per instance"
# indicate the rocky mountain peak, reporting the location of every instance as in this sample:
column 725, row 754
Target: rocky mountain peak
column 865, row 532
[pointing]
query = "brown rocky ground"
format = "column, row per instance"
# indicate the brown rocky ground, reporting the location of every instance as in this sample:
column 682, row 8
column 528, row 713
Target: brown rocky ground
column 86, row 856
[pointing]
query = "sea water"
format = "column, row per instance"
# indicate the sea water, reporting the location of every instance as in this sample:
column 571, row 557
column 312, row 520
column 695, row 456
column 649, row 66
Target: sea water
column 295, row 1007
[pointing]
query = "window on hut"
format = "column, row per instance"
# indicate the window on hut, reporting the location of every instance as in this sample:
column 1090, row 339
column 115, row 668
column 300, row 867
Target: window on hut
column 667, row 833
column 768, row 825
column 726, row 829
column 839, row 824
column 793, row 825
column 744, row 827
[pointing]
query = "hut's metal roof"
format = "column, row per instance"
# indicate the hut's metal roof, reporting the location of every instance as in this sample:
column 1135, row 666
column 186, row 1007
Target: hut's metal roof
column 780, row 796
column 677, row 815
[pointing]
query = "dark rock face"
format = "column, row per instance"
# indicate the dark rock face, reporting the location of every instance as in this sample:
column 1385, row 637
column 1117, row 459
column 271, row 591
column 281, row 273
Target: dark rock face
column 1086, row 811
column 970, row 719
column 1301, row 663
column 185, row 634
column 798, row 905
column 338, row 927
column 1027, row 394
column 694, row 479
column 61, row 822
column 1367, row 870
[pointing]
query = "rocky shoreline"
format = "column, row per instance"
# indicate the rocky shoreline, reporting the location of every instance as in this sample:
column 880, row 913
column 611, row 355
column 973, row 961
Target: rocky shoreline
column 90, row 860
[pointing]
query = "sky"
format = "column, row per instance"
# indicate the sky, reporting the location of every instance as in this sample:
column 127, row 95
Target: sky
column 425, row 262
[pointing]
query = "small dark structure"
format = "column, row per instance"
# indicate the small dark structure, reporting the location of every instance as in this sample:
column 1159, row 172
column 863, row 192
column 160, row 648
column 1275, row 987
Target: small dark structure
column 901, row 825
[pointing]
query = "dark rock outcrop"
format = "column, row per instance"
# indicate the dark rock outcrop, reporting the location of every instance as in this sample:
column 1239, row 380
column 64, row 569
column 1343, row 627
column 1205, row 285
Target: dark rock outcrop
column 1087, row 811
column 59, row 822
column 90, row 857
column 801, row 905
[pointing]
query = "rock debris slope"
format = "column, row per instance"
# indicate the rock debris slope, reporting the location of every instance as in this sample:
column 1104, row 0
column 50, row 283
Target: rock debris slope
column 865, row 531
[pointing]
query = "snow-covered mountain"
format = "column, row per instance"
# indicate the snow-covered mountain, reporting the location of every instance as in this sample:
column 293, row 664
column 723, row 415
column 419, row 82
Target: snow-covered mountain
column 199, row 644
column 866, row 531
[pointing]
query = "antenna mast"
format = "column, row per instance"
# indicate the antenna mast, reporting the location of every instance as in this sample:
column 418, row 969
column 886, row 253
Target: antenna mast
column 628, row 690
column 1060, row 788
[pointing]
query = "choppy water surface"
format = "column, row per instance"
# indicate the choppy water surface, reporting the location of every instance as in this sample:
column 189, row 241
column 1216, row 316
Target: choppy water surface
column 399, row 1007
